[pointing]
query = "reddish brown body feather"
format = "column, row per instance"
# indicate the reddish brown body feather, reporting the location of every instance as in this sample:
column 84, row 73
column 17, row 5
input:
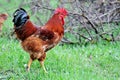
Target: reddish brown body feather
column 39, row 40
column 44, row 34
column 26, row 30
column 3, row 17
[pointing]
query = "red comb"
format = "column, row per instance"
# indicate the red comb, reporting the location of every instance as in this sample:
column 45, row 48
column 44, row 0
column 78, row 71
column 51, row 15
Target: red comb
column 61, row 10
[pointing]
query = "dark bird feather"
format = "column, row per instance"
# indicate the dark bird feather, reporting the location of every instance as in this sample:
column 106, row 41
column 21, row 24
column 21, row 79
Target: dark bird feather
column 20, row 17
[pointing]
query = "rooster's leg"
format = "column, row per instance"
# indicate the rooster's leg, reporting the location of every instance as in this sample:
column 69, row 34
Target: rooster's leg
column 29, row 63
column 42, row 64
column 41, row 60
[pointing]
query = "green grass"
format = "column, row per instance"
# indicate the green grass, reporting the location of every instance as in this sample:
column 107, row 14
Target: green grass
column 100, row 61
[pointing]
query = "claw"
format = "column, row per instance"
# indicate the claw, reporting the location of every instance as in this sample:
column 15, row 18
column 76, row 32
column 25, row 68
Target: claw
column 45, row 71
column 27, row 68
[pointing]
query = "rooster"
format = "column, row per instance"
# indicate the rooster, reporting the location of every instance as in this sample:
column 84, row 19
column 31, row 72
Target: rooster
column 3, row 17
column 38, row 40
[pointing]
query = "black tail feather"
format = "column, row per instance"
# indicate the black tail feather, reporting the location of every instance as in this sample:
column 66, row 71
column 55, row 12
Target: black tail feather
column 20, row 17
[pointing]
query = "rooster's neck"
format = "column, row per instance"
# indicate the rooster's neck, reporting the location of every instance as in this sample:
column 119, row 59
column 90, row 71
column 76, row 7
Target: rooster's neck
column 55, row 24
column 26, row 30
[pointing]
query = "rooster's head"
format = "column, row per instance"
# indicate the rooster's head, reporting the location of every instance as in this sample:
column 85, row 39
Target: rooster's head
column 61, row 11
